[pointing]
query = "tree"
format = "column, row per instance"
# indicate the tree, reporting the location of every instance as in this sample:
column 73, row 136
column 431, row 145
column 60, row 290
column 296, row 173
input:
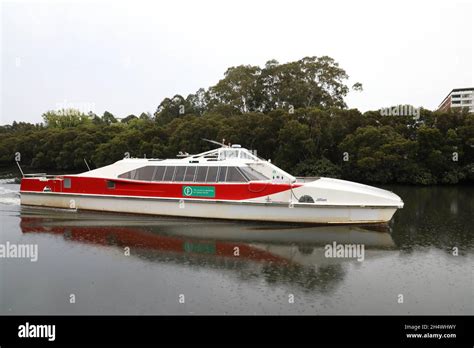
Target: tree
column 239, row 88
column 129, row 118
column 198, row 101
column 171, row 108
column 308, row 82
column 108, row 118
column 318, row 135
column 64, row 118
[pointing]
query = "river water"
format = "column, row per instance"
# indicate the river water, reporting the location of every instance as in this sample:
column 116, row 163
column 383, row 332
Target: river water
column 95, row 263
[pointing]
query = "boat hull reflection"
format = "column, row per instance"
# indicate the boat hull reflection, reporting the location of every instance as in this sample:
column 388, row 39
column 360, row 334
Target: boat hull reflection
column 195, row 238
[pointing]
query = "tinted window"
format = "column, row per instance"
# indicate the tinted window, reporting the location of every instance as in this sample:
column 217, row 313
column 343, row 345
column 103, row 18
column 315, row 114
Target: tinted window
column 201, row 174
column 189, row 176
column 252, row 174
column 169, row 173
column 159, row 172
column 234, row 175
column 179, row 175
column 212, row 174
column 134, row 174
column 222, row 174
column 146, row 173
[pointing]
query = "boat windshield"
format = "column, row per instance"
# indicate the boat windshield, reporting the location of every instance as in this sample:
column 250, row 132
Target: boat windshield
column 238, row 153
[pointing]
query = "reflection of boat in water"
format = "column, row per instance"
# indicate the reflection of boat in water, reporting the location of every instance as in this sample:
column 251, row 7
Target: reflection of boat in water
column 263, row 250
column 226, row 183
column 266, row 242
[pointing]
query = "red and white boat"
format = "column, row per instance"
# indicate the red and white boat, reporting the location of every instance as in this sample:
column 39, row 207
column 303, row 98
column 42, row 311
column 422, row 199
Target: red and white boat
column 225, row 183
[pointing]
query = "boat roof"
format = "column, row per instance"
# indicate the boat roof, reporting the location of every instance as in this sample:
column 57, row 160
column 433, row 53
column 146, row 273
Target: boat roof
column 224, row 156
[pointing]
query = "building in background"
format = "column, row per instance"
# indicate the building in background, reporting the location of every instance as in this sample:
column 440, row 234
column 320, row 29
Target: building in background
column 458, row 98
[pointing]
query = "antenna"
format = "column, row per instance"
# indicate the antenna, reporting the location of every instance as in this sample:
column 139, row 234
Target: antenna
column 87, row 165
column 215, row 142
column 19, row 167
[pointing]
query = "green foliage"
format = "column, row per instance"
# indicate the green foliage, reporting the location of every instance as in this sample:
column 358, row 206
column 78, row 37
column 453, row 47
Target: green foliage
column 308, row 82
column 65, row 118
column 129, row 118
column 322, row 167
column 251, row 106
column 108, row 118
column 308, row 142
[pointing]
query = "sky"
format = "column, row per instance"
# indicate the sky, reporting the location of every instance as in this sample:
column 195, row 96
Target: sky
column 127, row 56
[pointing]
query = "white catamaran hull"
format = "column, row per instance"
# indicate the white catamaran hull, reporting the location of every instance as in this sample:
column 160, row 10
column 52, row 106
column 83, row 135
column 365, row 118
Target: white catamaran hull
column 200, row 208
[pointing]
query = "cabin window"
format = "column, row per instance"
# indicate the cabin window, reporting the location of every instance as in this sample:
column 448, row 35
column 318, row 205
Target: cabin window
column 234, row 175
column 143, row 173
column 222, row 174
column 125, row 175
column 179, row 175
column 201, row 174
column 246, row 155
column 212, row 174
column 190, row 171
column 189, row 174
column 67, row 183
column 228, row 154
column 133, row 174
column 159, row 172
column 169, row 173
column 110, row 185
column 146, row 173
column 252, row 174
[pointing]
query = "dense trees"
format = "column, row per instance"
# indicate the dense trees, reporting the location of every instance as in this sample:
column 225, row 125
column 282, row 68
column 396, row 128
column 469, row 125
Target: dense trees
column 311, row 141
column 293, row 113
column 308, row 82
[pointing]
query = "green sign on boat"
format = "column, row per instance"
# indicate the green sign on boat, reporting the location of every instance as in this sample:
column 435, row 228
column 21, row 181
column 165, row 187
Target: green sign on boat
column 199, row 191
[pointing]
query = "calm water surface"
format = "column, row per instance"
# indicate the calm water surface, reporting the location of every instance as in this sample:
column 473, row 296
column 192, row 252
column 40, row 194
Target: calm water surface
column 84, row 254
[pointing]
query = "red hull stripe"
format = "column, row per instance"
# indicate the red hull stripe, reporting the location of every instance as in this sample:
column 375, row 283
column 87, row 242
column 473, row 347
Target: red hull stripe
column 100, row 186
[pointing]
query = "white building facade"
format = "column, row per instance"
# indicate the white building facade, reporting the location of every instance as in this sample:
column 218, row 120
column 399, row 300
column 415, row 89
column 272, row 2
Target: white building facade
column 458, row 98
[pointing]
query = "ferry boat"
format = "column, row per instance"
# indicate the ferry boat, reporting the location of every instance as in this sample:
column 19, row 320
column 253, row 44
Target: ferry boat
column 229, row 182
